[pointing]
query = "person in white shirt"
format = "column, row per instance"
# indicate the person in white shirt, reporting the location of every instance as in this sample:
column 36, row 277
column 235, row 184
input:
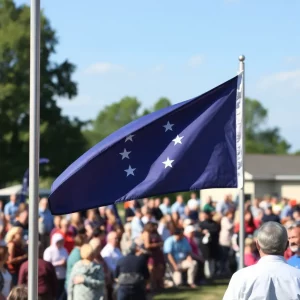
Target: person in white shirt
column 271, row 277
column 110, row 253
column 148, row 217
column 58, row 255
column 193, row 203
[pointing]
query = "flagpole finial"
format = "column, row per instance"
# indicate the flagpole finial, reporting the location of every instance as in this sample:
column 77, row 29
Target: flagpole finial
column 242, row 57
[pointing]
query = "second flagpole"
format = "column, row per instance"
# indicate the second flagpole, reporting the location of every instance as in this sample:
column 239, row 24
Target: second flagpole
column 241, row 190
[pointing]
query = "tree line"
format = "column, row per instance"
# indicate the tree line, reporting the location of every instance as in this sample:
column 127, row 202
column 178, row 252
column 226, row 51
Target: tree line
column 63, row 139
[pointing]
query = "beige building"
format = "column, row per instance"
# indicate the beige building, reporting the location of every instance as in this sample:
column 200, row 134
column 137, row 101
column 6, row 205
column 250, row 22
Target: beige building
column 266, row 174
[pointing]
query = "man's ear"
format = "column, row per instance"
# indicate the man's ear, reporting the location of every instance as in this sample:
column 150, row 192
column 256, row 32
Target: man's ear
column 257, row 245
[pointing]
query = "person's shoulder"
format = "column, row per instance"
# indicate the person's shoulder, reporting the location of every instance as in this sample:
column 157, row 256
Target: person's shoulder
column 24, row 266
column 244, row 273
column 292, row 258
column 143, row 258
column 96, row 266
column 291, row 269
column 78, row 264
column 127, row 258
column 169, row 240
column 105, row 249
column 45, row 263
column 48, row 250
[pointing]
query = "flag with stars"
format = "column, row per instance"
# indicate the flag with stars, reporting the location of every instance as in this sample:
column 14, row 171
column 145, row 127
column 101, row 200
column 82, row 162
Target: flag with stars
column 192, row 145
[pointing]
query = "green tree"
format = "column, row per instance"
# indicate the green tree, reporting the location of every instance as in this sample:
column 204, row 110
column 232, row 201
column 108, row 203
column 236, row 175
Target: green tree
column 61, row 138
column 113, row 117
column 259, row 138
column 159, row 104
column 118, row 114
column 162, row 102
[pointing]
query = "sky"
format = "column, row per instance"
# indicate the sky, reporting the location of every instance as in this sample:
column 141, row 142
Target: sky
column 180, row 49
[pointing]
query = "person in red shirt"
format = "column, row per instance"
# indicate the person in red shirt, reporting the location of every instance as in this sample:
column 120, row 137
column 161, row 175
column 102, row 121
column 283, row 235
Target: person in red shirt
column 250, row 256
column 47, row 281
column 250, row 226
column 66, row 231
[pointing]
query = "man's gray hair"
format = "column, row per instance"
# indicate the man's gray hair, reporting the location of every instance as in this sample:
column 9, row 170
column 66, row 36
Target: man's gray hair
column 272, row 238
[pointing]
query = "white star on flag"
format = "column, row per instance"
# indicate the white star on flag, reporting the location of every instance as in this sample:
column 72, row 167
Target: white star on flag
column 168, row 126
column 168, row 163
column 125, row 154
column 130, row 171
column 129, row 138
column 177, row 140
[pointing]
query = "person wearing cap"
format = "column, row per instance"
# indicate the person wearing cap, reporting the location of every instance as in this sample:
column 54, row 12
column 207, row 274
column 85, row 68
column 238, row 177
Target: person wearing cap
column 132, row 273
column 179, row 255
column 271, row 277
column 58, row 255
column 189, row 232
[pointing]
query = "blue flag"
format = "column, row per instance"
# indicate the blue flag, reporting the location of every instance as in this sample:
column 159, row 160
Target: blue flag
column 192, row 145
column 25, row 181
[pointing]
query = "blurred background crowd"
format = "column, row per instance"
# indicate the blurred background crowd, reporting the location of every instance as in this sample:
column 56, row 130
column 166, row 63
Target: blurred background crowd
column 143, row 246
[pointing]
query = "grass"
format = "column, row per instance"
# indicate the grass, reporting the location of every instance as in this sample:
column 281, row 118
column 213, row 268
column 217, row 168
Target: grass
column 207, row 292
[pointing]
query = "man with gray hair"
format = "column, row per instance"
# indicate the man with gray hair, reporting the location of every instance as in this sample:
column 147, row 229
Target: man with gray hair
column 271, row 278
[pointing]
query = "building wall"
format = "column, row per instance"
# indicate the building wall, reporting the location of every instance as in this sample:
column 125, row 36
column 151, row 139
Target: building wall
column 258, row 188
column 266, row 187
column 218, row 194
column 290, row 189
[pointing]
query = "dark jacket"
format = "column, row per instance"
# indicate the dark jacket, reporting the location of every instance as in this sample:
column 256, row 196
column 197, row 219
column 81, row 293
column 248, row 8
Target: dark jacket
column 133, row 267
column 47, row 280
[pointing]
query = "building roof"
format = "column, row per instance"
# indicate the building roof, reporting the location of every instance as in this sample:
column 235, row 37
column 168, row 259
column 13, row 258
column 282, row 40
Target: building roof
column 269, row 166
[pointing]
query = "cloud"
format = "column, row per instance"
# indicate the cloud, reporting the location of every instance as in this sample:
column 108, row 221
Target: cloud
column 158, row 68
column 195, row 61
column 291, row 79
column 292, row 59
column 101, row 68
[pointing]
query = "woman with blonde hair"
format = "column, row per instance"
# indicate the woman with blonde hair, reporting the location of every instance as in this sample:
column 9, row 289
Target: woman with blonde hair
column 16, row 252
column 87, row 277
column 19, row 292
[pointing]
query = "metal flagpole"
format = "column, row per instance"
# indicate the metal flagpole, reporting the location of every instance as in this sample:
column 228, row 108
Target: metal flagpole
column 34, row 148
column 241, row 191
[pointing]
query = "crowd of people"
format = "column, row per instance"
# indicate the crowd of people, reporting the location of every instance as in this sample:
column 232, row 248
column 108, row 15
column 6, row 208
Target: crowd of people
column 156, row 244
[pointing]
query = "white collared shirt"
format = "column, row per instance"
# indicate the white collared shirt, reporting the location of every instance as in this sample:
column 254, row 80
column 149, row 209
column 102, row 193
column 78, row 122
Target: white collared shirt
column 111, row 255
column 270, row 279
